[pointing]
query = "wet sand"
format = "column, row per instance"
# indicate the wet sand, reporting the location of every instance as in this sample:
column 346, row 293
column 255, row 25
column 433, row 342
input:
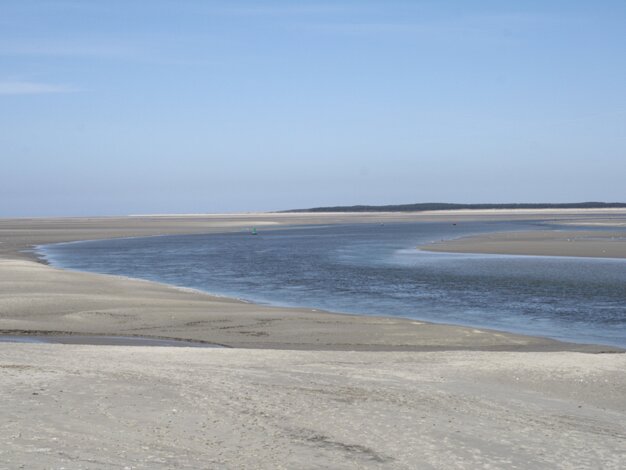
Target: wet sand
column 301, row 389
column 100, row 340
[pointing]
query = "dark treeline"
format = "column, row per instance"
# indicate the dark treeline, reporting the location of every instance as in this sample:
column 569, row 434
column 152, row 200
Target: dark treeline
column 438, row 206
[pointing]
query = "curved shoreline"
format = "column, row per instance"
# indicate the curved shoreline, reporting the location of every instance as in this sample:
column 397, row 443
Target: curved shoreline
column 101, row 304
column 553, row 342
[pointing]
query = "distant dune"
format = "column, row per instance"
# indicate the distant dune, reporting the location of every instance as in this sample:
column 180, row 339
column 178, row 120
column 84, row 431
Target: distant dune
column 442, row 206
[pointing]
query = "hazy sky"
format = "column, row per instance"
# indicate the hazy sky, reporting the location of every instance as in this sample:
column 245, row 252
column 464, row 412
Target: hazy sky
column 119, row 107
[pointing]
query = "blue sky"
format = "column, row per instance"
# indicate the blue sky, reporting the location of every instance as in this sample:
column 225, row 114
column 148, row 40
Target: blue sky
column 120, row 107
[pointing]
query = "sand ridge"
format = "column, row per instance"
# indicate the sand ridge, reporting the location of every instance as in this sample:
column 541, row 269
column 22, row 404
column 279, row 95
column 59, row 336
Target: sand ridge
column 578, row 243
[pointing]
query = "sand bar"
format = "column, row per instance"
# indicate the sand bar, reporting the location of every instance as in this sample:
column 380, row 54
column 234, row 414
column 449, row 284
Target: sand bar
column 580, row 243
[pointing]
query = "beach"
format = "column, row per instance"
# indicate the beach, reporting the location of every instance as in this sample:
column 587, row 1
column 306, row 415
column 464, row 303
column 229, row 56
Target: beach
column 136, row 407
column 293, row 387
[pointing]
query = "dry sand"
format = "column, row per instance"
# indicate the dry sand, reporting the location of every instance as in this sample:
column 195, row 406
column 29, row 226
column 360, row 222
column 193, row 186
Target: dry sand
column 102, row 407
column 409, row 395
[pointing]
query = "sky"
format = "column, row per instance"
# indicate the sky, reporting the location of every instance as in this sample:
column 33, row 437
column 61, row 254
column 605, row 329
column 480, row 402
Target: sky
column 119, row 107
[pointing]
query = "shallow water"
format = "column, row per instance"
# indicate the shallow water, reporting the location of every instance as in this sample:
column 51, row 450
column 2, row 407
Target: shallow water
column 376, row 269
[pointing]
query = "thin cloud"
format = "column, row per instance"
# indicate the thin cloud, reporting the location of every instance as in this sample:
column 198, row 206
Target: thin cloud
column 486, row 25
column 366, row 28
column 280, row 10
column 32, row 88
column 60, row 49
column 143, row 50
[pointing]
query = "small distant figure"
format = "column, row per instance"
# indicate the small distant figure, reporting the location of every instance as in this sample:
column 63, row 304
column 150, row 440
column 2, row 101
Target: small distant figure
column 253, row 231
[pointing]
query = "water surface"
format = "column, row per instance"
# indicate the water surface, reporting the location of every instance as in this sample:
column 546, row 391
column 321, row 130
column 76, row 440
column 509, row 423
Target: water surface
column 376, row 269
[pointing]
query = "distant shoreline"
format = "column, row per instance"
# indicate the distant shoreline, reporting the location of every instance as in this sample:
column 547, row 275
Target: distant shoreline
column 444, row 206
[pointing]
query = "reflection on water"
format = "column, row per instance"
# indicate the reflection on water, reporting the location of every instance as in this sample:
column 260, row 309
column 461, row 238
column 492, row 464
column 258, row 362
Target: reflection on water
column 376, row 269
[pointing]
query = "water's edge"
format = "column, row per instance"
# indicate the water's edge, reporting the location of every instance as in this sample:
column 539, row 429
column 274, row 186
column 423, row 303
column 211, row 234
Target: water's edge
column 102, row 340
column 39, row 251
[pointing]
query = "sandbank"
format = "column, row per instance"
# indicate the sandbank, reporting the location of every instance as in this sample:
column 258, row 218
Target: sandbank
column 579, row 243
